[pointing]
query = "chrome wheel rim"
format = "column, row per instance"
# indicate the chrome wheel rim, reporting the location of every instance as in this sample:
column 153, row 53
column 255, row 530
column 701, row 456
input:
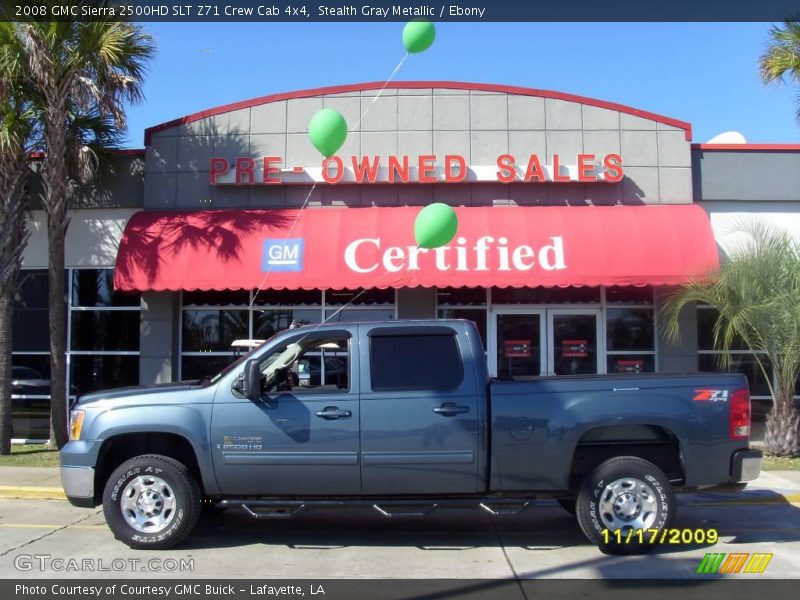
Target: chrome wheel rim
column 148, row 504
column 627, row 503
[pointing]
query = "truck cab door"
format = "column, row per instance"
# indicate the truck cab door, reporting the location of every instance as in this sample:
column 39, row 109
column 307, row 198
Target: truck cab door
column 302, row 436
column 420, row 410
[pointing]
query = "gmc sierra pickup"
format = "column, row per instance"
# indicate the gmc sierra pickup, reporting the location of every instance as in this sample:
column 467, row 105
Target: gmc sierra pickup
column 403, row 417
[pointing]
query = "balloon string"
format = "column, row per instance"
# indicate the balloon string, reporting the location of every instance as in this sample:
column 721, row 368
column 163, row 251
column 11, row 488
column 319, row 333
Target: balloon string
column 288, row 233
column 380, row 91
column 345, row 305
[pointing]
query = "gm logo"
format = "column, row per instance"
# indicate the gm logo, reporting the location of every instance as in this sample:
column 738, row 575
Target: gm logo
column 282, row 255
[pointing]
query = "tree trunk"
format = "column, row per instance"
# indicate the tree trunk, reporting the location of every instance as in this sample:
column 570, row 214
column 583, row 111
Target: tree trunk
column 58, row 329
column 6, row 307
column 55, row 203
column 783, row 426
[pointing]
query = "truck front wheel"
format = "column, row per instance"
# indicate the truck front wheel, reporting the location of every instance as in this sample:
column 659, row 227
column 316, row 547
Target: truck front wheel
column 623, row 503
column 151, row 502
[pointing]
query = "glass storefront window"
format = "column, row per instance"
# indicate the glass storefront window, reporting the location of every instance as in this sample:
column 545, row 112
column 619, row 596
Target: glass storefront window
column 213, row 298
column 629, row 294
column 744, row 363
column 95, row 287
column 706, row 319
column 267, row 323
column 197, row 367
column 30, row 396
column 463, row 296
column 630, row 363
column 349, row 315
column 542, row 295
column 90, row 373
column 29, row 327
column 105, row 330
column 476, row 315
column 359, row 297
column 213, row 330
column 288, row 298
column 630, row 329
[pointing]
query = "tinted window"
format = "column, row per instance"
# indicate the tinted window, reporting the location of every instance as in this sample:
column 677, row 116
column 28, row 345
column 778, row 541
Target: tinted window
column 415, row 362
column 95, row 287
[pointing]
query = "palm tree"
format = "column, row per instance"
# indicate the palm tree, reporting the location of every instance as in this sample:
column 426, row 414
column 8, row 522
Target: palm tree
column 757, row 295
column 76, row 68
column 781, row 59
column 16, row 132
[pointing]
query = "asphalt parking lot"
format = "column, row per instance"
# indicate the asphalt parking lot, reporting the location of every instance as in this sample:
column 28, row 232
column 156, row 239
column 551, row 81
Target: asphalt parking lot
column 544, row 542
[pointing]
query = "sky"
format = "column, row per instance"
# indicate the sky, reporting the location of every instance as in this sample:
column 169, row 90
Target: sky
column 703, row 73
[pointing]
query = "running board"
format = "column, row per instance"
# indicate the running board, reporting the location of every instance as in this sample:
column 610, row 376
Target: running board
column 277, row 508
column 274, row 512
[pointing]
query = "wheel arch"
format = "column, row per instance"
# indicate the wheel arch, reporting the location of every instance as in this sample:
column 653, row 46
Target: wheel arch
column 654, row 443
column 123, row 446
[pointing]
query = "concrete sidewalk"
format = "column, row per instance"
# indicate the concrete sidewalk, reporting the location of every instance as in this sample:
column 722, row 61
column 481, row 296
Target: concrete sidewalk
column 44, row 483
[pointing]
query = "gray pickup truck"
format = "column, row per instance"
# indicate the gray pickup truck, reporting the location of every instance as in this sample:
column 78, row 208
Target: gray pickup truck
column 401, row 416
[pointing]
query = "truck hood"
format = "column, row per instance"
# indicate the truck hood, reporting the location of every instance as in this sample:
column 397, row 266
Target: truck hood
column 144, row 394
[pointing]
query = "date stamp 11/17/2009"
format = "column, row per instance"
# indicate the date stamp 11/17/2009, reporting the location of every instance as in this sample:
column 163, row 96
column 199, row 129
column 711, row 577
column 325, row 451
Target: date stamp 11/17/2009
column 672, row 536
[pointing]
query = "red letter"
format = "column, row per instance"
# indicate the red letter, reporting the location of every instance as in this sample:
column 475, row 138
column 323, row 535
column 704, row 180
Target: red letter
column 268, row 170
column 506, row 173
column 613, row 166
column 245, row 166
column 427, row 168
column 365, row 169
column 396, row 168
column 449, row 177
column 339, row 169
column 219, row 166
column 585, row 167
column 534, row 170
column 557, row 176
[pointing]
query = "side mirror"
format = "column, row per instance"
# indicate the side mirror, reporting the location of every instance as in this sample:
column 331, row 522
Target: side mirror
column 252, row 379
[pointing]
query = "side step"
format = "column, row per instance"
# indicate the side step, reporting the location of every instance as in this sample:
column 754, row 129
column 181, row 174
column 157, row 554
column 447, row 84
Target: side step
column 274, row 512
column 277, row 508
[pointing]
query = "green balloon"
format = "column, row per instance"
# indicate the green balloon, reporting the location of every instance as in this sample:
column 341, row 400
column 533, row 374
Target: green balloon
column 418, row 36
column 435, row 226
column 328, row 131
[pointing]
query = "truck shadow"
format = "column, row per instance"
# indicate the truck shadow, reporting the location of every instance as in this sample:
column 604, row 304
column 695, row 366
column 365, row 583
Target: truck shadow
column 756, row 517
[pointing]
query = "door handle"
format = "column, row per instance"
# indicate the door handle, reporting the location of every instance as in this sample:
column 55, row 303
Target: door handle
column 448, row 409
column 333, row 412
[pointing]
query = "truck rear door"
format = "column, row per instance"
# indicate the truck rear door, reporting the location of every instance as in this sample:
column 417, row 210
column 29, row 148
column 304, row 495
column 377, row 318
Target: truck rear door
column 420, row 409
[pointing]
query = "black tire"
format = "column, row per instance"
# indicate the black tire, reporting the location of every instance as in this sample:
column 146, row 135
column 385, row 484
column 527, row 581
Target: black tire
column 568, row 504
column 186, row 499
column 593, row 524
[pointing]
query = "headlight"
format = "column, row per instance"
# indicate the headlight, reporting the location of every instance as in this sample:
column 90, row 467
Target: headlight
column 75, row 424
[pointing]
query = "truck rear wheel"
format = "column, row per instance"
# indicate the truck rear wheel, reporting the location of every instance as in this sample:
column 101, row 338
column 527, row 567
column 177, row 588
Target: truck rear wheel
column 622, row 503
column 151, row 502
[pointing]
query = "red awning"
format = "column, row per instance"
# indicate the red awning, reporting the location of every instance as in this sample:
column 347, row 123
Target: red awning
column 322, row 248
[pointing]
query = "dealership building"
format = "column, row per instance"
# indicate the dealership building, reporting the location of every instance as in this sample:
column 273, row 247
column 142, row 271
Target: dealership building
column 576, row 218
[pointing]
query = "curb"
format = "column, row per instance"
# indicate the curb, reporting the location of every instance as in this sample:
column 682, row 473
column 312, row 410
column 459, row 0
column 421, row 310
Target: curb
column 31, row 493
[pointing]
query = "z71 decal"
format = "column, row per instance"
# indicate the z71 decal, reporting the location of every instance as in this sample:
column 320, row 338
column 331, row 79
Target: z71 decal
column 711, row 395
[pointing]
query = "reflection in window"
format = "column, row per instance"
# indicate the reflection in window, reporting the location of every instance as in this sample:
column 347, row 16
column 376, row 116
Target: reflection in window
column 630, row 329
column 631, row 363
column 744, row 363
column 95, row 287
column 105, row 330
column 543, row 295
column 91, row 373
column 267, row 323
column 213, row 330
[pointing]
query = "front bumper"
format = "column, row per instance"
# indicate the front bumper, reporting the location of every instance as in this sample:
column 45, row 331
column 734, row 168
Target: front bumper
column 78, row 484
column 746, row 465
